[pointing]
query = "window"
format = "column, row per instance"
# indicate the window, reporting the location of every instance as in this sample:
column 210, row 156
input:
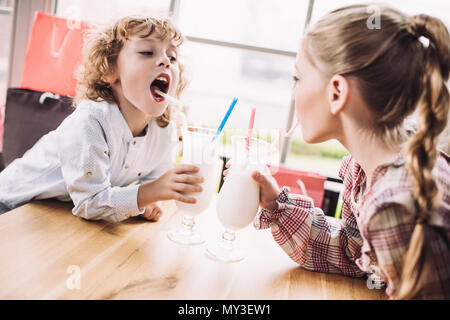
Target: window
column 108, row 11
column 259, row 80
column 262, row 23
column 245, row 49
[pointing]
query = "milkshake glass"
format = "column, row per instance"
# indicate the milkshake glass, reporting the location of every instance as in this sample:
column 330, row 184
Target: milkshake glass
column 238, row 199
column 199, row 151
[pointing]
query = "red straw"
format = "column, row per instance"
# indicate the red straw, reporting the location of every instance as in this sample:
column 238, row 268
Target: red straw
column 250, row 128
column 288, row 134
column 282, row 133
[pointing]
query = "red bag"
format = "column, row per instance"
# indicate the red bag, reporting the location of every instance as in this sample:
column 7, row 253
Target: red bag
column 313, row 182
column 54, row 53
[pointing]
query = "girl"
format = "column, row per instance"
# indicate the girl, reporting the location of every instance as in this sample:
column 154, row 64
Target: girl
column 120, row 132
column 358, row 85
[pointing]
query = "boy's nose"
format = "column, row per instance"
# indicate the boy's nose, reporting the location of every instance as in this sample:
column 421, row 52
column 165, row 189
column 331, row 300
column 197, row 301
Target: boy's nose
column 163, row 61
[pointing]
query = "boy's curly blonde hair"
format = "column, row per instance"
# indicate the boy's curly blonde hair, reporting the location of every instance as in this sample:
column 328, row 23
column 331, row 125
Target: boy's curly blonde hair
column 103, row 48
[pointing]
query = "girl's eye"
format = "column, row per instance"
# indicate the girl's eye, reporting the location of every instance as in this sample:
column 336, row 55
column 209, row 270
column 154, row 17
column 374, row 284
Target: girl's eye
column 173, row 59
column 295, row 79
column 147, row 53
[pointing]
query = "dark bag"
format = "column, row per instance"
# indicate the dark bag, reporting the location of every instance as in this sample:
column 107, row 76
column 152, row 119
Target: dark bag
column 29, row 115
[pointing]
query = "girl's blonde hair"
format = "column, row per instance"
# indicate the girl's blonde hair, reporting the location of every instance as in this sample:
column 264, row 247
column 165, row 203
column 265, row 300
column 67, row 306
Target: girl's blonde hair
column 400, row 68
column 102, row 51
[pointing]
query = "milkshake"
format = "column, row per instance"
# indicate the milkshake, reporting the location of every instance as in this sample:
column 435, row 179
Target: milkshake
column 238, row 200
column 211, row 173
column 198, row 150
column 237, row 203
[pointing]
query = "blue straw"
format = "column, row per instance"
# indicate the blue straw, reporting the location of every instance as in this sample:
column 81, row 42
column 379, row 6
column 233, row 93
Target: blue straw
column 225, row 119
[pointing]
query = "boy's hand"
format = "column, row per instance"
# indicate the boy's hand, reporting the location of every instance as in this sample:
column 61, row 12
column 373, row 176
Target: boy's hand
column 152, row 212
column 268, row 188
column 173, row 184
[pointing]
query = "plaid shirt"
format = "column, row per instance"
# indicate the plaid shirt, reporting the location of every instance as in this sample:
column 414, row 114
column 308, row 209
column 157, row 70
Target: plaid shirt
column 374, row 232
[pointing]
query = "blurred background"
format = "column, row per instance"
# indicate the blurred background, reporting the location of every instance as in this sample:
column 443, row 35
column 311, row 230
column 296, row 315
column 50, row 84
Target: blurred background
column 242, row 48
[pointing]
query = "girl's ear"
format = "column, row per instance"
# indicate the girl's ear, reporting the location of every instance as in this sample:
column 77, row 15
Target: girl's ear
column 338, row 92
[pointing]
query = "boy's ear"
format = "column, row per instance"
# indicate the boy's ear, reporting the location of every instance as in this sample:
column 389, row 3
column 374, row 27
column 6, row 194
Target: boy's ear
column 111, row 78
column 338, row 92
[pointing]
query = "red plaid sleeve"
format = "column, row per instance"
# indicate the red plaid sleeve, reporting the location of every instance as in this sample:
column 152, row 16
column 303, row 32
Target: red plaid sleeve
column 311, row 239
column 388, row 232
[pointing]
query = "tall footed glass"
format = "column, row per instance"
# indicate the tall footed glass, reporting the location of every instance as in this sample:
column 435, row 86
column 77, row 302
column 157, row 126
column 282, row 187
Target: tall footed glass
column 238, row 199
column 198, row 150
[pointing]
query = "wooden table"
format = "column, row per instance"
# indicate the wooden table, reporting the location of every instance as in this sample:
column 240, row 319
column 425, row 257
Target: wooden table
column 46, row 253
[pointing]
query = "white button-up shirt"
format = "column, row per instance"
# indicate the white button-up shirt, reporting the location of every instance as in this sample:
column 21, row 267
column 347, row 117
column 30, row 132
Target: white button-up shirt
column 91, row 159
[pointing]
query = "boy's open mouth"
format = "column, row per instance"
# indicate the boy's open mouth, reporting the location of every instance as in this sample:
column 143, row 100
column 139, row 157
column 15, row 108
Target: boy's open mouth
column 160, row 83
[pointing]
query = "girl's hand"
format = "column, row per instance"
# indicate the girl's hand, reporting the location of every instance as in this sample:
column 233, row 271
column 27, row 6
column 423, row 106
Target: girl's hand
column 172, row 185
column 152, row 212
column 225, row 172
column 268, row 188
